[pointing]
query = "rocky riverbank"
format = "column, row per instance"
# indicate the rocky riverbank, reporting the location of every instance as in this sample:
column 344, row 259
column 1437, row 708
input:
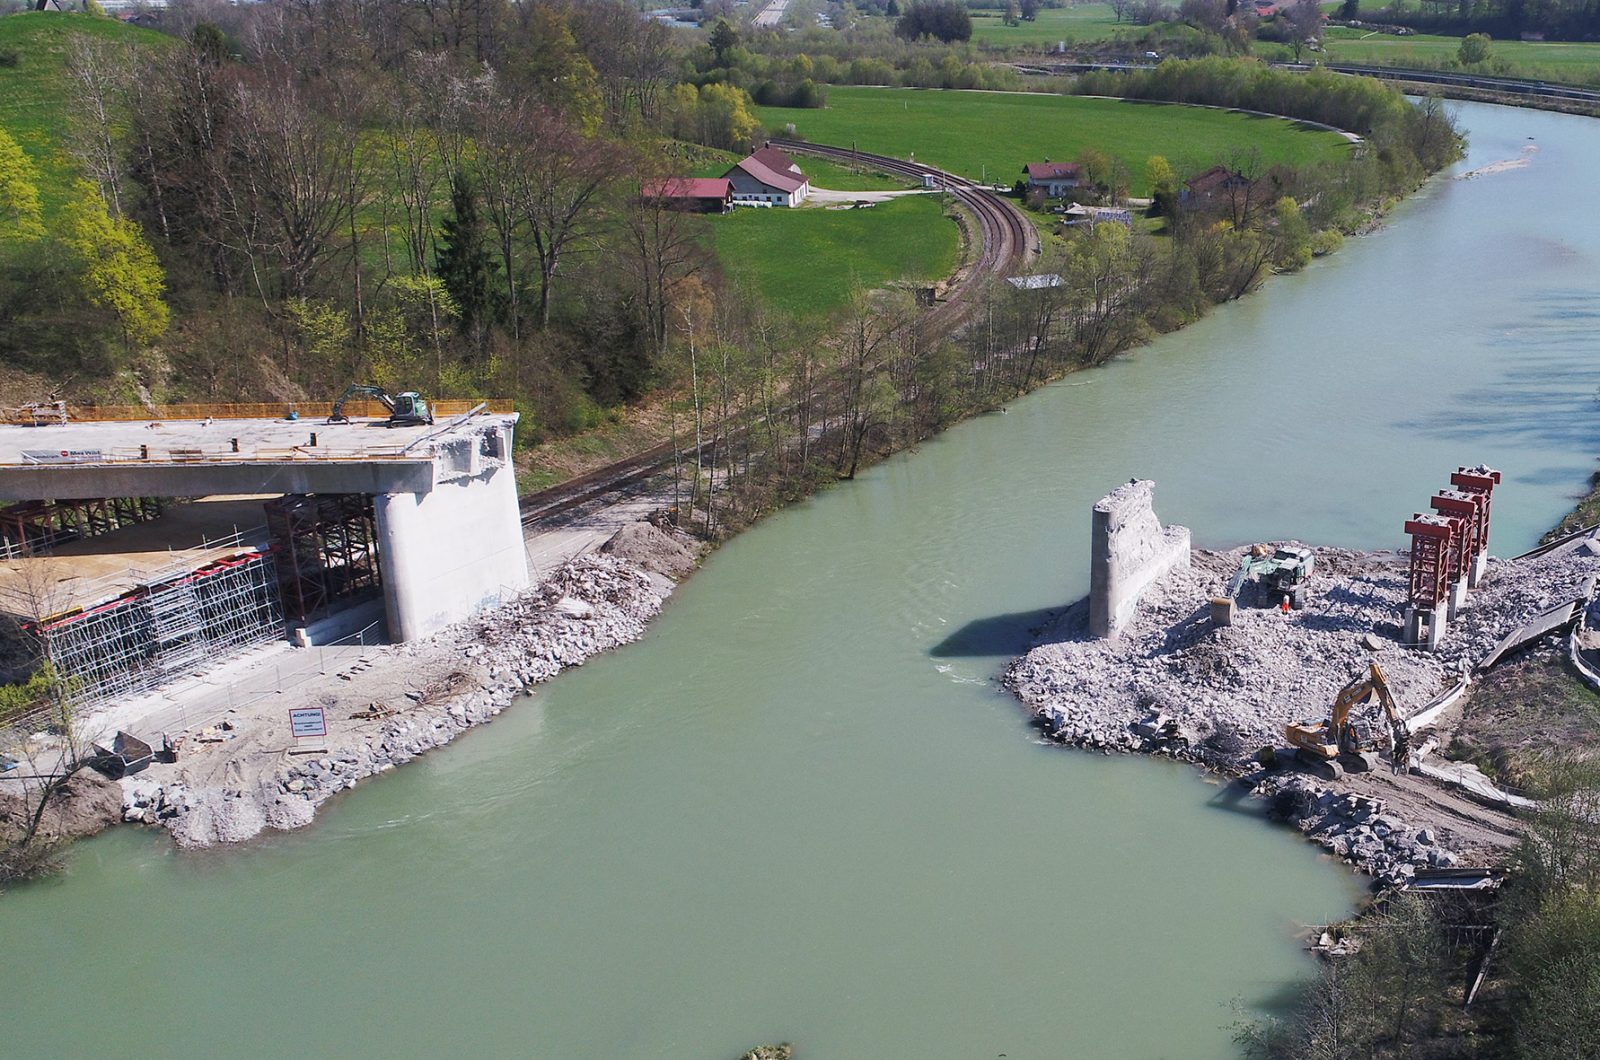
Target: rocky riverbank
column 1175, row 684
column 409, row 699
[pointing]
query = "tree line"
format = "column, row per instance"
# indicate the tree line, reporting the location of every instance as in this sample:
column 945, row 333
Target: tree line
column 1418, row 958
column 437, row 197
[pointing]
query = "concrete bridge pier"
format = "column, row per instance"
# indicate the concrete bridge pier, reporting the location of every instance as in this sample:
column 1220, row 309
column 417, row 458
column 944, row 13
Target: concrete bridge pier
column 457, row 548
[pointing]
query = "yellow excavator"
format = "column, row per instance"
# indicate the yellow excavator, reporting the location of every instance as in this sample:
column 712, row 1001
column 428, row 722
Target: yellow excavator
column 1335, row 744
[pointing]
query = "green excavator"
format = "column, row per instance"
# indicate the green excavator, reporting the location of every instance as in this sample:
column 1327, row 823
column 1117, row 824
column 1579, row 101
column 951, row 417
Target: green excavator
column 409, row 409
column 1281, row 572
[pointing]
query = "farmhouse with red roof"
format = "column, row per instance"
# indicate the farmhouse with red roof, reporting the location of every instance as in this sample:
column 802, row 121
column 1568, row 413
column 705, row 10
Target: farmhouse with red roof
column 1055, row 179
column 769, row 176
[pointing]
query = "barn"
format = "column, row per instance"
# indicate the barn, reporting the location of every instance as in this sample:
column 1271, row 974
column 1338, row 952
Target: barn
column 690, row 194
column 769, row 176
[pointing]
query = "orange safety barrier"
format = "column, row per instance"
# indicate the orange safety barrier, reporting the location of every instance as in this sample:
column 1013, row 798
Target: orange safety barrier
column 274, row 410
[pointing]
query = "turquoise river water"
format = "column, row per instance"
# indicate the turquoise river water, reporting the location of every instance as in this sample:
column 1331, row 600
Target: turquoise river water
column 802, row 809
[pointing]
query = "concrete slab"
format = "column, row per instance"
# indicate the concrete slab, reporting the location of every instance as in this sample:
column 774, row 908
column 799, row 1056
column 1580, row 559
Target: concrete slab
column 197, row 458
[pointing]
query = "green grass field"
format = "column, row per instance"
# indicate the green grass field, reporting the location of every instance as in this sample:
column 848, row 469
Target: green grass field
column 34, row 100
column 1574, row 62
column 806, row 262
column 991, row 135
column 1081, row 22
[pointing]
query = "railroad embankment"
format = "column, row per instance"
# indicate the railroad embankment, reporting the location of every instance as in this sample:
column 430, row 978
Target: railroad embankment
column 1174, row 683
column 243, row 777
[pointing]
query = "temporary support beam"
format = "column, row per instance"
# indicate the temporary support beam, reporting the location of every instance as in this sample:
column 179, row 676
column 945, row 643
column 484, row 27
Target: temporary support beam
column 1479, row 481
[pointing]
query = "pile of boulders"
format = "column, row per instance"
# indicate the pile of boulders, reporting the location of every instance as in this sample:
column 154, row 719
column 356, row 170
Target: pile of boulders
column 1358, row 829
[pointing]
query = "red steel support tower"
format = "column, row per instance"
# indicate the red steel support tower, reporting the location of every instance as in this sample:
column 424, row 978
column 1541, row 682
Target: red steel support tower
column 1468, row 509
column 1430, row 559
column 1479, row 481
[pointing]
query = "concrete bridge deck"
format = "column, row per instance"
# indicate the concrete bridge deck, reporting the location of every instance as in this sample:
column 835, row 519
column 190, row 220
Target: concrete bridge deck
column 198, row 458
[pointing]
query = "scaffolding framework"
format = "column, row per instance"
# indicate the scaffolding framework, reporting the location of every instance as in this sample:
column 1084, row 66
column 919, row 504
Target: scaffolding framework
column 325, row 546
column 32, row 528
column 174, row 625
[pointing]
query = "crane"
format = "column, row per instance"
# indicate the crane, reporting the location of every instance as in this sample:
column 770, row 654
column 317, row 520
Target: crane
column 1329, row 746
column 407, row 409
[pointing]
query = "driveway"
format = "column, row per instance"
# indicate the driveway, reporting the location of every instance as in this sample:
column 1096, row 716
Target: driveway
column 829, row 197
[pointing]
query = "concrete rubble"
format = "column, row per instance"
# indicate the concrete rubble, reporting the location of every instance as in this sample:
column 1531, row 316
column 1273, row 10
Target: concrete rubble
column 462, row 676
column 1174, row 684
column 1359, row 829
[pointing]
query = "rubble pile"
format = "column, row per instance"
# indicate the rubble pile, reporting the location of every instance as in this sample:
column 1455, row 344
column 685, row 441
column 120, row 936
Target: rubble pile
column 1358, row 829
column 476, row 669
column 1174, row 683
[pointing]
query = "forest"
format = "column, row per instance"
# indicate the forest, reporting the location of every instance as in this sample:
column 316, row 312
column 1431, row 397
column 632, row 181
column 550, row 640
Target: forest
column 269, row 203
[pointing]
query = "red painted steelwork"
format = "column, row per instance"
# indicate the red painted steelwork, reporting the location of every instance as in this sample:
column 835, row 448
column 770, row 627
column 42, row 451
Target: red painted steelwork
column 1430, row 556
column 1479, row 481
column 1468, row 508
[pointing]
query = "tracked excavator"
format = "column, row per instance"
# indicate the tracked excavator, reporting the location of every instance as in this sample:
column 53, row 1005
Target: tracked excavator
column 1336, row 744
column 1281, row 572
column 405, row 410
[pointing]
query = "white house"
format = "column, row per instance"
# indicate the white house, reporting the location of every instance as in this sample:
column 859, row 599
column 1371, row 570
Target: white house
column 769, row 176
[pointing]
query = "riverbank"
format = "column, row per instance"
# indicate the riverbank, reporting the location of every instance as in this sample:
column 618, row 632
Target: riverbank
column 245, row 775
column 1173, row 684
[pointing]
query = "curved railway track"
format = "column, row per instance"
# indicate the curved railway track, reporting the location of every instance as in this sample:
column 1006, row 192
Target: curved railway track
column 1007, row 241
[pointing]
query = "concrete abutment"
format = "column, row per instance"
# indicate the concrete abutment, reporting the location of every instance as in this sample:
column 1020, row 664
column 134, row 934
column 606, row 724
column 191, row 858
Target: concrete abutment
column 1129, row 551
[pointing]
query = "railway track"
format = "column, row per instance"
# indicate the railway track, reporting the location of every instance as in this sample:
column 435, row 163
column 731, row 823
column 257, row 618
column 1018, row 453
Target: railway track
column 1511, row 86
column 1008, row 238
column 1008, row 242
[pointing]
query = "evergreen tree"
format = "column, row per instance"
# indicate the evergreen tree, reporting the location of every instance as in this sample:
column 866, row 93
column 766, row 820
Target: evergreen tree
column 723, row 38
column 464, row 265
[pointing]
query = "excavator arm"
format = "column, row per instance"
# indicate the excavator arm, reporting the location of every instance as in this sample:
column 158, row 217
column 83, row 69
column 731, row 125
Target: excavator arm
column 1399, row 732
column 377, row 393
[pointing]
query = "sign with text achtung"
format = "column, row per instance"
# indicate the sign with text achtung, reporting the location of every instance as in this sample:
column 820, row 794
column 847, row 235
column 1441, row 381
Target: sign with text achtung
column 308, row 721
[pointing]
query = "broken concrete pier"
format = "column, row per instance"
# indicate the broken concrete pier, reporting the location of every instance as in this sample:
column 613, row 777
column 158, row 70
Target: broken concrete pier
column 1129, row 551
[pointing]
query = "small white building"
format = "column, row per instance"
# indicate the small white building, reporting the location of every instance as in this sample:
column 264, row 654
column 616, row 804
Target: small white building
column 770, row 177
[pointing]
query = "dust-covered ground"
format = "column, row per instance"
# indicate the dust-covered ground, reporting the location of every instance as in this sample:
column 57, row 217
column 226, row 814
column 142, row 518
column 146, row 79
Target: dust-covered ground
column 1228, row 692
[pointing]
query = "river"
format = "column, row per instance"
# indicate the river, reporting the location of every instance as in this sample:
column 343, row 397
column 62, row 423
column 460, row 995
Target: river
column 801, row 809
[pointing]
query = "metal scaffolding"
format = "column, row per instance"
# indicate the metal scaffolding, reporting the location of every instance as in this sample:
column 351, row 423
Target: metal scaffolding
column 178, row 623
column 326, row 550
column 32, row 528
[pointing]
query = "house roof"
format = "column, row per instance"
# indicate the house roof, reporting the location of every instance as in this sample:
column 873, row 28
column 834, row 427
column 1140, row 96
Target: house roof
column 777, row 161
column 1214, row 179
column 774, row 169
column 1051, row 170
column 688, row 188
